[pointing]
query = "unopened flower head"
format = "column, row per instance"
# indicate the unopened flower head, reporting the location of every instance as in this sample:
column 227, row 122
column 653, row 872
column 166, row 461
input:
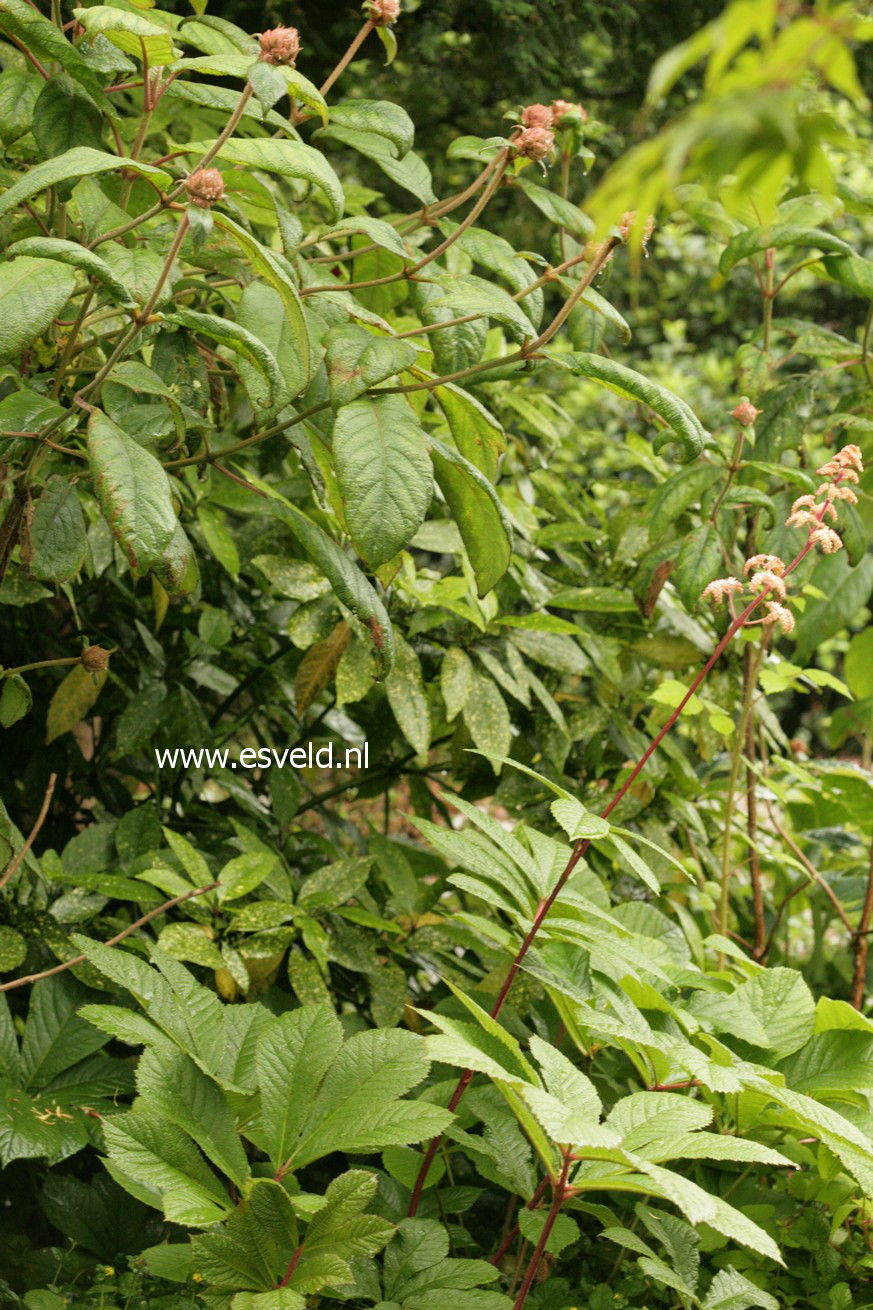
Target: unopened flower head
column 383, row 13
column 534, row 142
column 205, row 187
column 766, row 579
column 280, row 45
column 777, row 613
column 771, row 562
column 536, row 116
column 566, row 108
column 721, row 587
column 745, row 413
column 95, row 659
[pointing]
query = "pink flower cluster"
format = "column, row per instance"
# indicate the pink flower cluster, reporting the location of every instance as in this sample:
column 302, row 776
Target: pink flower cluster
column 769, row 571
column 536, row 137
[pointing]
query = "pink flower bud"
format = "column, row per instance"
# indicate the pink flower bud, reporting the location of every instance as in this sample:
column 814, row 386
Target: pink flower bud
column 384, row 13
column 536, row 116
column 745, row 414
column 205, row 187
column 280, row 45
column 563, row 108
column 534, row 142
column 95, row 659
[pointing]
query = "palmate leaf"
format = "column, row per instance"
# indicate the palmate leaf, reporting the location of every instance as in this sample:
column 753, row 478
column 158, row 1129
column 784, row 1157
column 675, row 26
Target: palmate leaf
column 418, row 1262
column 351, row 1097
column 158, row 1163
column 172, row 1085
column 340, row 1232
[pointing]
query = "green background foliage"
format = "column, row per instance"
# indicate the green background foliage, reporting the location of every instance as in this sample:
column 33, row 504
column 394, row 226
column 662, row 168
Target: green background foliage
column 262, row 492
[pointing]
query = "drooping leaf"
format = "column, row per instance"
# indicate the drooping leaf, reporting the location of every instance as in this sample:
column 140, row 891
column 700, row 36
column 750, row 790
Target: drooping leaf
column 383, row 473
column 133, row 491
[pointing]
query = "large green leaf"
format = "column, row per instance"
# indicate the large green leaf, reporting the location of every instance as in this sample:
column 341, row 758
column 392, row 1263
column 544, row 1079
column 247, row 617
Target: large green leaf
column 477, row 433
column 478, row 511
column 21, row 20
column 70, row 252
column 383, row 473
column 356, row 360
column 241, row 341
column 287, row 158
column 57, row 541
column 128, row 31
column 408, row 699
column 347, row 581
column 379, row 116
column 133, row 491
column 65, row 116
column 32, row 292
column 297, row 371
column 464, row 293
column 158, row 1163
column 684, row 425
column 81, row 161
column 779, row 237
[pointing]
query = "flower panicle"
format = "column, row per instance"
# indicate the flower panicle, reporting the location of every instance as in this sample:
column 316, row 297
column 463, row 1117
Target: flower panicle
column 768, row 572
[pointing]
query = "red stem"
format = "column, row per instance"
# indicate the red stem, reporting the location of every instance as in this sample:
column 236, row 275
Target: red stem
column 533, row 1204
column 559, row 1195
column 582, row 846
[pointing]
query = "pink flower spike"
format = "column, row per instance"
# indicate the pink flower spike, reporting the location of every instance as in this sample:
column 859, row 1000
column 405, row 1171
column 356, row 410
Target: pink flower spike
column 777, row 613
column 721, row 587
column 766, row 578
column 845, row 493
column 772, row 562
column 829, row 541
column 800, row 518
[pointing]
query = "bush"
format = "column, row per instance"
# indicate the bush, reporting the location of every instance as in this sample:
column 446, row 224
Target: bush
column 432, row 863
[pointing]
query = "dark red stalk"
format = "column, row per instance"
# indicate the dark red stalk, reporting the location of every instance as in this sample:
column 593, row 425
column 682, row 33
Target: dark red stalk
column 582, row 846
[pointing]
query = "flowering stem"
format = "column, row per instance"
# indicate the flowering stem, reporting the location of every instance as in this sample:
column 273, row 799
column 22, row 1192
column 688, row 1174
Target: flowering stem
column 509, row 1237
column 347, row 58
column 433, row 254
column 581, row 847
column 860, row 941
column 749, row 684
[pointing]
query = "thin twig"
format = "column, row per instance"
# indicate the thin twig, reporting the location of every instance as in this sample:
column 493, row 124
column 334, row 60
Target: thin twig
column 34, row 832
column 113, row 941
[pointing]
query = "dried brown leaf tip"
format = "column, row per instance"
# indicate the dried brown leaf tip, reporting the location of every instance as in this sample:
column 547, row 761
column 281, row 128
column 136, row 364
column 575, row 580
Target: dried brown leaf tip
column 205, row 187
column 280, row 45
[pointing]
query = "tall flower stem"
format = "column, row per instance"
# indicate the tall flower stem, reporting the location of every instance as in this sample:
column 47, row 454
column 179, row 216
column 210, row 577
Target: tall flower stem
column 581, row 847
column 347, row 58
column 750, row 681
column 860, row 942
